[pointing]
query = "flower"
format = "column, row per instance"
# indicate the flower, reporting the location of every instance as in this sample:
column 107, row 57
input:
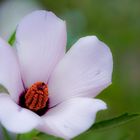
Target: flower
column 50, row 90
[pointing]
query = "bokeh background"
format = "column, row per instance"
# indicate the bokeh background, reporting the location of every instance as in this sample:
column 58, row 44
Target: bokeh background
column 117, row 23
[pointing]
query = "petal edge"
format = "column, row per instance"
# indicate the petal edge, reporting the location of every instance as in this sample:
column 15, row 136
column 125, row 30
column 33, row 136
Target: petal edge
column 15, row 118
column 41, row 42
column 71, row 117
column 85, row 70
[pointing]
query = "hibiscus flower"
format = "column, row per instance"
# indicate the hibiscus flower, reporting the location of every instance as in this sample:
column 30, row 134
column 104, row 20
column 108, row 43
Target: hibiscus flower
column 49, row 90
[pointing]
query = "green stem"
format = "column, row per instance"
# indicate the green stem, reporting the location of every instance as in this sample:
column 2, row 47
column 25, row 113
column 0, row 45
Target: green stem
column 5, row 134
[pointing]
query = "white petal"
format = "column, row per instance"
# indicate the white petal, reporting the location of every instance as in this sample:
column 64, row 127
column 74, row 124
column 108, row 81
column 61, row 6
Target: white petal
column 71, row 117
column 14, row 118
column 9, row 70
column 84, row 71
column 41, row 42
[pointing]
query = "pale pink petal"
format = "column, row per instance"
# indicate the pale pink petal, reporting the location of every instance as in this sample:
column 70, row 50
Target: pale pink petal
column 14, row 118
column 84, row 71
column 71, row 117
column 41, row 42
column 9, row 70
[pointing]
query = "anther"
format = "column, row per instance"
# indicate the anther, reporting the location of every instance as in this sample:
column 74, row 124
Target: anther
column 36, row 96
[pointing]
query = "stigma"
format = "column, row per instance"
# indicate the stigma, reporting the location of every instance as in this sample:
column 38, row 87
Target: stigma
column 36, row 96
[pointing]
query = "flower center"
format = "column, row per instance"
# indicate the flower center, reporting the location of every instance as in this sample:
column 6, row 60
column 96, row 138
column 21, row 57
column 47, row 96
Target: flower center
column 36, row 96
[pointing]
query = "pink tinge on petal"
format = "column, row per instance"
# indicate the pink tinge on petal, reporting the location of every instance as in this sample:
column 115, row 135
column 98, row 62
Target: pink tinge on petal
column 9, row 70
column 84, row 71
column 14, row 118
column 71, row 117
column 41, row 41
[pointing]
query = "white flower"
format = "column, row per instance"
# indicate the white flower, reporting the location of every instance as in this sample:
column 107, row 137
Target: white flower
column 63, row 106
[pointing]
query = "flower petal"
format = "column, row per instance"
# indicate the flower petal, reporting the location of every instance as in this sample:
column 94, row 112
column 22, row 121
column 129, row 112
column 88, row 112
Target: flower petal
column 9, row 70
column 71, row 117
column 15, row 118
column 41, row 42
column 84, row 71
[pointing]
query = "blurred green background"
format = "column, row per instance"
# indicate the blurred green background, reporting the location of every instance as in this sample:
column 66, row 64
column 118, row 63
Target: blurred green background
column 117, row 23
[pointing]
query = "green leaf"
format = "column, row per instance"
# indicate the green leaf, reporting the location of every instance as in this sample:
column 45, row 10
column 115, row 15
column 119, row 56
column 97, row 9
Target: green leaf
column 36, row 135
column 43, row 136
column 114, row 122
column 12, row 38
column 27, row 136
column 3, row 89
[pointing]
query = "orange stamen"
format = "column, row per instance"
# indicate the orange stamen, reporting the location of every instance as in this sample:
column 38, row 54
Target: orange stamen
column 36, row 96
